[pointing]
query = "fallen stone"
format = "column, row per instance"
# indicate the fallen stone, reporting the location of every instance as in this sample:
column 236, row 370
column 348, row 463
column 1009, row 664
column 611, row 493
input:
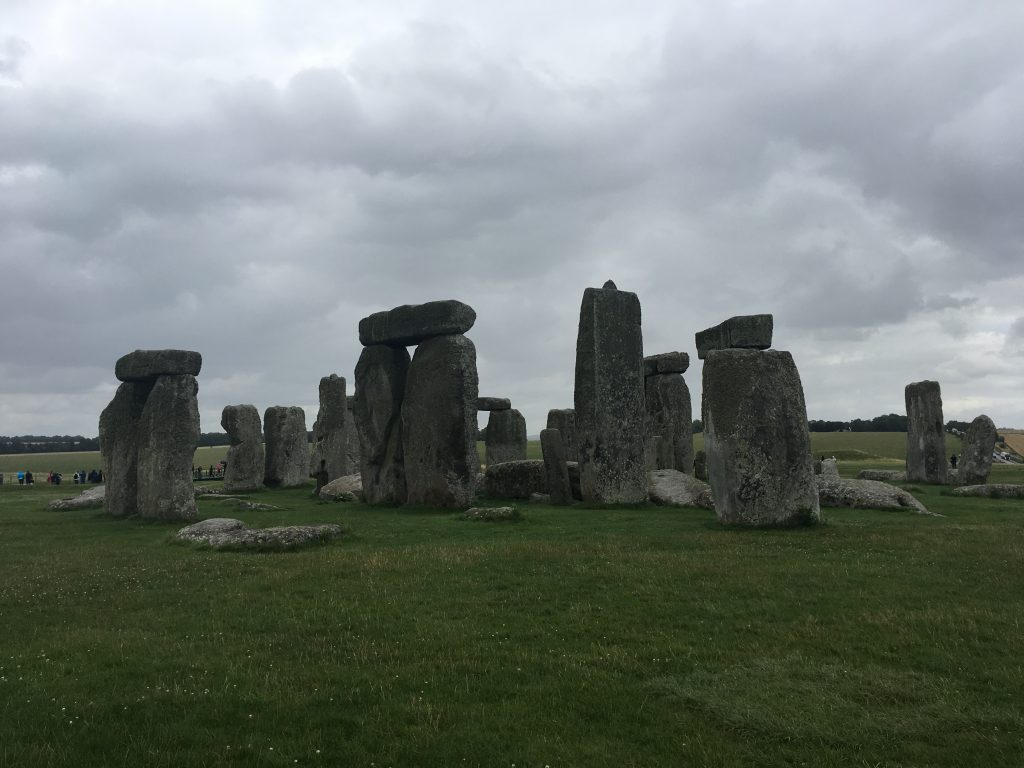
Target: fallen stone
column 609, row 398
column 381, row 374
column 168, row 434
column 976, row 451
column 564, row 420
column 883, row 475
column 926, row 435
column 672, row 488
column 287, row 447
column 414, row 323
column 740, row 332
column 227, row 533
column 85, row 500
column 148, row 364
column 992, row 490
column 668, row 362
column 540, row 498
column 491, row 514
column 515, row 479
column 556, row 470
column 439, row 423
column 866, row 494
column 756, row 438
column 493, row 403
column 506, row 437
column 206, row 490
column 234, row 501
column 348, row 488
column 246, row 459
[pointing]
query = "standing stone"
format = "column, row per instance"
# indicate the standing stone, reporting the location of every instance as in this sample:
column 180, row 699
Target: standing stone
column 926, row 435
column 506, row 437
column 669, row 414
column 168, row 436
column 555, row 468
column 976, row 453
column 564, row 420
column 329, row 436
column 756, row 438
column 119, row 446
column 439, row 423
column 381, row 374
column 351, row 436
column 609, row 397
column 246, row 458
column 287, row 447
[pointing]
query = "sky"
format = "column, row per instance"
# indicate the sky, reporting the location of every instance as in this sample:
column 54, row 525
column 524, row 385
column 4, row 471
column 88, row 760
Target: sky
column 248, row 179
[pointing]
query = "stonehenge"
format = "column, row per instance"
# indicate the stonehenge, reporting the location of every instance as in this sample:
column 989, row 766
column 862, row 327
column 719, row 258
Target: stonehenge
column 609, row 397
column 564, row 420
column 330, row 436
column 556, row 470
column 149, row 433
column 669, row 412
column 755, row 433
column 506, row 437
column 976, row 452
column 246, row 459
column 287, row 447
column 416, row 418
column 926, row 435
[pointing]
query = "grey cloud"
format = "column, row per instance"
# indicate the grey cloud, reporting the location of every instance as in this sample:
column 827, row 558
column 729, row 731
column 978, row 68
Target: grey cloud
column 12, row 51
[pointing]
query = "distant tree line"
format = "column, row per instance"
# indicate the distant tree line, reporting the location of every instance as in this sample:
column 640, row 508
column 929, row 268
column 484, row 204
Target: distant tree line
column 76, row 443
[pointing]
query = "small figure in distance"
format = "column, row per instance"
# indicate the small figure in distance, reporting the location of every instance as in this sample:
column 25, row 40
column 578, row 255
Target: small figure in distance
column 28, row 477
column 952, row 461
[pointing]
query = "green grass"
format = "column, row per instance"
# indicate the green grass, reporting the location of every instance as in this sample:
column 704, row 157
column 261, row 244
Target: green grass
column 574, row 637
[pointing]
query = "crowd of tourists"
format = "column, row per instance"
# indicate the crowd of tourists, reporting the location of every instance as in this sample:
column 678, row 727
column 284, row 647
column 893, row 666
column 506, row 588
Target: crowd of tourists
column 26, row 477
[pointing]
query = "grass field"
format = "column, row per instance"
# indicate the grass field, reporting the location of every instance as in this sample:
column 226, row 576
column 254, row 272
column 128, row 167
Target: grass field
column 576, row 637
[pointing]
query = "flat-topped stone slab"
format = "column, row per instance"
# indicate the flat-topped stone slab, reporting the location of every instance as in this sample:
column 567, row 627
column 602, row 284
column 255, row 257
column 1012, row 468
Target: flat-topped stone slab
column 740, row 332
column 834, row 491
column 85, row 500
column 228, row 533
column 992, row 490
column 668, row 362
column 410, row 324
column 493, row 404
column 148, row 364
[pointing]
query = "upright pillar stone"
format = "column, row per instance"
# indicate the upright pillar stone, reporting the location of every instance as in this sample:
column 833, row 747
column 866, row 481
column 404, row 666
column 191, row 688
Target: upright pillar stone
column 330, row 439
column 168, row 435
column 669, row 412
column 287, row 447
column 926, row 433
column 381, row 374
column 976, row 452
column 506, row 437
column 439, row 423
column 609, row 397
column 556, row 468
column 756, row 438
column 352, row 455
column 246, row 459
column 119, row 447
column 564, row 420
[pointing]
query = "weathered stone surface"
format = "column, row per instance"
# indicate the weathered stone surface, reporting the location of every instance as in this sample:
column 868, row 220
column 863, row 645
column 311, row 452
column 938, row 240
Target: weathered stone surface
column 491, row 514
column 654, row 452
column 168, row 436
column 700, row 466
column 439, row 423
column 740, row 332
column 85, row 500
column 246, row 459
column 834, row 491
column 227, row 533
column 609, row 395
column 756, row 438
column 668, row 362
column 119, row 448
column 829, row 468
column 992, row 490
column 516, row 479
column 234, row 501
column 883, row 475
column 672, row 488
column 670, row 415
column 352, row 455
column 381, row 374
column 413, row 323
column 506, row 437
column 287, row 447
column 148, row 364
column 926, row 435
column 493, row 403
column 574, row 479
column 348, row 488
column 564, row 420
column 556, row 472
column 976, row 452
column 330, row 438
column 540, row 498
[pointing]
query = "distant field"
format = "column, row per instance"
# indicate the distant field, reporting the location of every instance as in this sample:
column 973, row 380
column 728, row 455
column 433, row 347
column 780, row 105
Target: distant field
column 69, row 463
column 854, row 446
column 1015, row 441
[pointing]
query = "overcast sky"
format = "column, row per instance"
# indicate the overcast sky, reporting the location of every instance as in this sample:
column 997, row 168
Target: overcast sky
column 248, row 179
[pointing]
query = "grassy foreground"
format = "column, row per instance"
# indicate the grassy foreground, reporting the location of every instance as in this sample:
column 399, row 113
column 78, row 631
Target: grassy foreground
column 576, row 637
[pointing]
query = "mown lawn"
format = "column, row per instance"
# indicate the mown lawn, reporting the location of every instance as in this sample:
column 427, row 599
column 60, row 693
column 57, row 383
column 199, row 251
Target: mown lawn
column 580, row 637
